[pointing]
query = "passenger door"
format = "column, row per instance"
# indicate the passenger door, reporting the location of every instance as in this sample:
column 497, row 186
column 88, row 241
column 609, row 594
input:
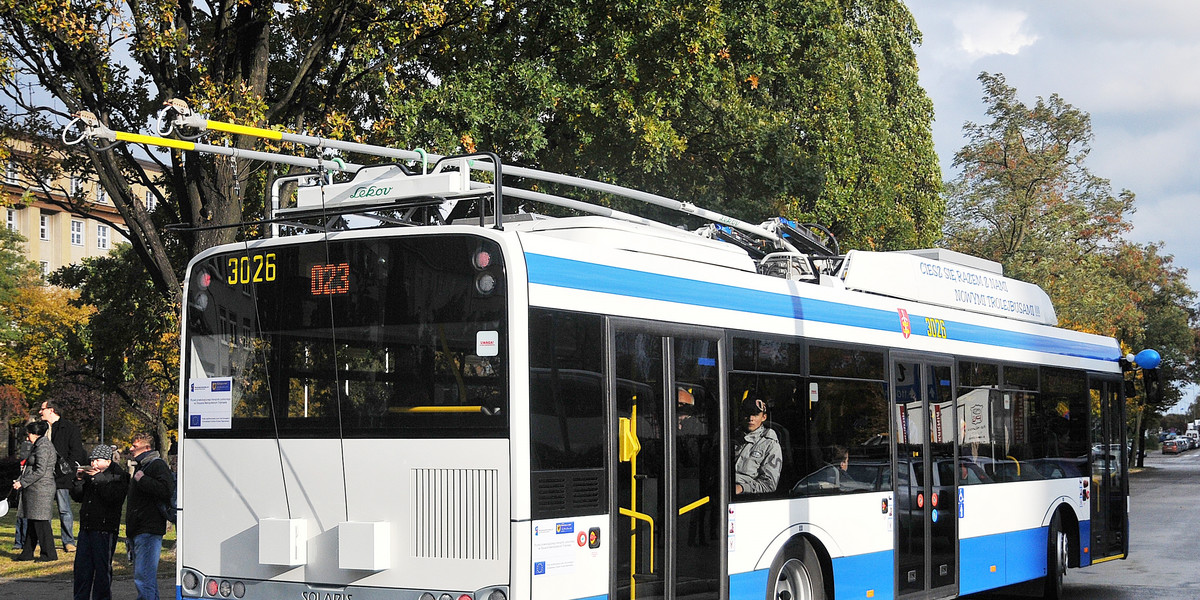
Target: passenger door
column 926, row 445
column 669, row 508
column 1110, row 462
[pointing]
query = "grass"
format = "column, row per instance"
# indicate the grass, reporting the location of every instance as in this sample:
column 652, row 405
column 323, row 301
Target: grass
column 63, row 567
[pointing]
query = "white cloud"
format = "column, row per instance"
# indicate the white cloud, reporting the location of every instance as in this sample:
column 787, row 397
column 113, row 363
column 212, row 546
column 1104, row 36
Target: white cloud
column 986, row 31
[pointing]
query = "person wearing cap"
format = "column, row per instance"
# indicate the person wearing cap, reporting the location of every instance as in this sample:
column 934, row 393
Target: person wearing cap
column 757, row 454
column 100, row 489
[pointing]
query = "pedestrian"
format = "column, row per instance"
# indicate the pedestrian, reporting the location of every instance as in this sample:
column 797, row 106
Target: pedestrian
column 145, row 524
column 69, row 445
column 21, row 523
column 37, row 494
column 100, row 490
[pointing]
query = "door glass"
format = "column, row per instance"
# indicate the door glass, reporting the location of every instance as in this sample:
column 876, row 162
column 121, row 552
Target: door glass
column 698, row 542
column 641, row 494
column 909, row 424
column 942, row 489
column 1108, row 470
column 1116, row 465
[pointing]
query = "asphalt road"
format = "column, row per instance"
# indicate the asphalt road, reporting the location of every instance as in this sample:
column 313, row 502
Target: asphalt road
column 1164, row 519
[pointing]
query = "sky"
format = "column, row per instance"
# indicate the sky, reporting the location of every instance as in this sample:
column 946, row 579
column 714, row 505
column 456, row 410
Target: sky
column 1133, row 66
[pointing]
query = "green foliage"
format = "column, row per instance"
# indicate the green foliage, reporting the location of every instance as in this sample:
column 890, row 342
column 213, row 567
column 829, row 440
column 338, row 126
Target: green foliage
column 131, row 335
column 810, row 109
column 16, row 272
column 1025, row 198
column 752, row 107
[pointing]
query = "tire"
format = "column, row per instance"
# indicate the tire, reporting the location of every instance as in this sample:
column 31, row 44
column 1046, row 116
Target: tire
column 1057, row 548
column 796, row 574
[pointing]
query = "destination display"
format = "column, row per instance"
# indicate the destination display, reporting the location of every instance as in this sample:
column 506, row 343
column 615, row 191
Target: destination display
column 920, row 279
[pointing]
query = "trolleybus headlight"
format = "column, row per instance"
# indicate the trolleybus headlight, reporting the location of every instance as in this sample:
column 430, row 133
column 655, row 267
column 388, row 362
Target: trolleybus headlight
column 191, row 582
column 200, row 301
column 226, row 589
column 239, row 589
column 496, row 595
column 210, row 587
column 446, row 596
column 426, row 596
column 485, row 283
column 465, row 597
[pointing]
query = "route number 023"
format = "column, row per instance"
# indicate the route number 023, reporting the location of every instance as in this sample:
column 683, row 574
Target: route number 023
column 256, row 268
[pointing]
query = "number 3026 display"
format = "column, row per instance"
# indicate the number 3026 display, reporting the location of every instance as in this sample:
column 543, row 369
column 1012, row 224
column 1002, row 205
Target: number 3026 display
column 255, row 268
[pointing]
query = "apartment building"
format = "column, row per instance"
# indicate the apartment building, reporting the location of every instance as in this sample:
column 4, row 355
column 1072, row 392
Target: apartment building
column 55, row 237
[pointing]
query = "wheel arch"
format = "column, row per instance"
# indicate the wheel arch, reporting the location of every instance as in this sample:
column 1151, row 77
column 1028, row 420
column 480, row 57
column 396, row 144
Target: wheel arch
column 792, row 547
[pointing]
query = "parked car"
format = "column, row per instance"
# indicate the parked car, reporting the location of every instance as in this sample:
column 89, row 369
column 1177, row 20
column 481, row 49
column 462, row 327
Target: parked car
column 1174, row 446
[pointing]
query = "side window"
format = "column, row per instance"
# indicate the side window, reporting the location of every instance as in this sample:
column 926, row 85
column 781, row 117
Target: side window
column 566, row 390
column 764, row 449
column 566, row 412
column 831, row 428
column 1021, row 425
column 1059, row 422
column 846, row 448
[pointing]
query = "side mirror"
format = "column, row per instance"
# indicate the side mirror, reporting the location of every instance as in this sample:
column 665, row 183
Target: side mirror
column 1153, row 386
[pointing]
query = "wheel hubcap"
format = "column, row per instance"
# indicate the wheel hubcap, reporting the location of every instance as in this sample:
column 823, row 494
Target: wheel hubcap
column 1062, row 556
column 794, row 582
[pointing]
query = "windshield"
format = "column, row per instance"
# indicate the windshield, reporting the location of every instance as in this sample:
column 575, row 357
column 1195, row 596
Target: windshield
column 375, row 337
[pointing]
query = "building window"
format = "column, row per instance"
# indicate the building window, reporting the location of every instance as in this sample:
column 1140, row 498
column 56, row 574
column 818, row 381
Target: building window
column 76, row 184
column 102, row 237
column 10, row 173
column 76, row 232
column 45, row 268
column 151, row 201
column 101, row 196
column 44, row 227
column 12, row 219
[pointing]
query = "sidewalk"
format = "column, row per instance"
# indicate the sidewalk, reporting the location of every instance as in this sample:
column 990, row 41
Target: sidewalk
column 60, row 589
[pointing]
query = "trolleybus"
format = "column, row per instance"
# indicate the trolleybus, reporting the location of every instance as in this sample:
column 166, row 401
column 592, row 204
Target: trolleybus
column 410, row 394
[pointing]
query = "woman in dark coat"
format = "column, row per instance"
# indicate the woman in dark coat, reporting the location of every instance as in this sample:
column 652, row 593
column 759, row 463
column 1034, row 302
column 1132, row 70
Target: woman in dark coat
column 37, row 494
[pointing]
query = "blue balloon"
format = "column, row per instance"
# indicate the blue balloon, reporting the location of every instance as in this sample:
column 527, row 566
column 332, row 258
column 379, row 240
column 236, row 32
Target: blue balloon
column 1148, row 359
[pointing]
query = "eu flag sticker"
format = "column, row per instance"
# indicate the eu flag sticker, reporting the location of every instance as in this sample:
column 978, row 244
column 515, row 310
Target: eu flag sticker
column 194, row 420
column 539, row 568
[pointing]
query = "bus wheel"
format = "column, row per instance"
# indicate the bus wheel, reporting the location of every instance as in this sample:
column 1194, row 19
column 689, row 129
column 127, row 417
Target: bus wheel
column 1056, row 560
column 796, row 574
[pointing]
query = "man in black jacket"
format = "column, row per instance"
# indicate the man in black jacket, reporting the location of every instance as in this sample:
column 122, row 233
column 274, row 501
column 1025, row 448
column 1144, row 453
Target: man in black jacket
column 100, row 490
column 67, row 442
column 145, row 525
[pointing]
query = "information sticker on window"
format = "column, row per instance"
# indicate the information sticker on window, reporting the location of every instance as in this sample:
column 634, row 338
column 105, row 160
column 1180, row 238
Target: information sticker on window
column 487, row 343
column 210, row 403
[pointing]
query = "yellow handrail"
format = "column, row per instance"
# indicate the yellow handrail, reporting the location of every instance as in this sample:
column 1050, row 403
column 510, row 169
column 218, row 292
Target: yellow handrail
column 436, row 409
column 694, row 505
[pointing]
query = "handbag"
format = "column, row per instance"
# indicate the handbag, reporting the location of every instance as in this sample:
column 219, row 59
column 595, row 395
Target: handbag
column 63, row 467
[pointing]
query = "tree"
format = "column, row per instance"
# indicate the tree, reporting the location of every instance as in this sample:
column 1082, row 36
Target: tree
column 131, row 338
column 41, row 336
column 754, row 108
column 1024, row 197
column 757, row 106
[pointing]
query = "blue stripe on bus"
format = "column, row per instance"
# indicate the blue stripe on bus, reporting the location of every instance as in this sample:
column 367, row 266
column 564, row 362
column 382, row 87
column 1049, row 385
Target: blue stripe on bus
column 1016, row 556
column 579, row 275
column 1085, row 534
column 600, row 597
column 748, row 586
column 864, row 575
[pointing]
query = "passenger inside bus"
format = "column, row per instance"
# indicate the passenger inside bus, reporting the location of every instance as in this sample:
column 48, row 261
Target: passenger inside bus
column 757, row 455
